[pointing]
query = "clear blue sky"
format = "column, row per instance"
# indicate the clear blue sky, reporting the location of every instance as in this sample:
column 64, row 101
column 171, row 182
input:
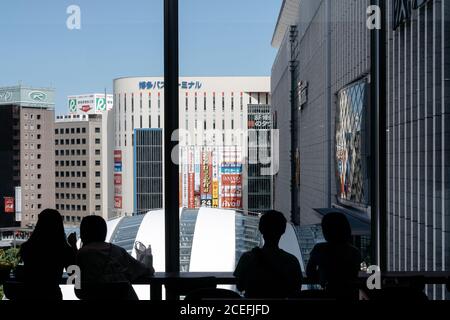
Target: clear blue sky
column 124, row 38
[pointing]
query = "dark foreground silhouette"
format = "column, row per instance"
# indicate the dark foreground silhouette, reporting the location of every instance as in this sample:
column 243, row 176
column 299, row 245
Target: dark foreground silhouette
column 45, row 256
column 104, row 266
column 269, row 272
column 336, row 263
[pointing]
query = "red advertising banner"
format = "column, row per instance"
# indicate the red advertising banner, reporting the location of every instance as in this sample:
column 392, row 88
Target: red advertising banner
column 117, row 156
column 231, row 179
column 118, row 202
column 9, row 205
column 117, row 179
column 191, row 196
column 231, row 203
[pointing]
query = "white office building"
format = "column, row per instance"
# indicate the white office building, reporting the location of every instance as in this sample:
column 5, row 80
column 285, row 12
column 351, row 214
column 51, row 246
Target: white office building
column 213, row 115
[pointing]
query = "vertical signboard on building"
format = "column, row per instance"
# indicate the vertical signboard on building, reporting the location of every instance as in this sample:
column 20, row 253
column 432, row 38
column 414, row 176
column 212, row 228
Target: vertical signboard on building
column 184, row 177
column 191, row 180
column 215, row 179
column 118, row 200
column 205, row 178
column 231, row 180
column 197, row 179
column 18, row 204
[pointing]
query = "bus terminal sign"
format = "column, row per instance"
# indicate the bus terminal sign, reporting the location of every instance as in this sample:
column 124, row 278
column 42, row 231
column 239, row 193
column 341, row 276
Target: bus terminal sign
column 403, row 9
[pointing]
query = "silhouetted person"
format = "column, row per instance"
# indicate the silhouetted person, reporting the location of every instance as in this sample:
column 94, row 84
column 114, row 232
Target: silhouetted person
column 269, row 272
column 336, row 263
column 45, row 255
column 102, row 262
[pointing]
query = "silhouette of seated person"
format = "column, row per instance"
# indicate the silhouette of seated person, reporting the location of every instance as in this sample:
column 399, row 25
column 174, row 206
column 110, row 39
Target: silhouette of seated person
column 105, row 263
column 45, row 256
column 269, row 272
column 335, row 264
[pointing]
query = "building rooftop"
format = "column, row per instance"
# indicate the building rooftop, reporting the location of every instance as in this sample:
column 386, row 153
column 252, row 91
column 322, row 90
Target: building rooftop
column 289, row 15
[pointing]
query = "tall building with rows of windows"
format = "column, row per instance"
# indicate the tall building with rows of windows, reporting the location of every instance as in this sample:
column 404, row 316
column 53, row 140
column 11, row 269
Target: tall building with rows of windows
column 79, row 162
column 213, row 113
column 83, row 158
column 26, row 154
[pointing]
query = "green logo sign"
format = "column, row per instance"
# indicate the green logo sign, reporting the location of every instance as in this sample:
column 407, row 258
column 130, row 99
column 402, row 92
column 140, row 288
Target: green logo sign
column 73, row 105
column 100, row 104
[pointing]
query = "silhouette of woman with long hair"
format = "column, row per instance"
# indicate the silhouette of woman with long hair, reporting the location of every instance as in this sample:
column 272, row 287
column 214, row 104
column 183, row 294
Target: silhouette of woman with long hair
column 336, row 263
column 45, row 255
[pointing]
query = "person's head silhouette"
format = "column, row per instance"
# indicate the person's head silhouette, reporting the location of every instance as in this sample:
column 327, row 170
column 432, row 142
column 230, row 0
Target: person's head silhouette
column 93, row 229
column 49, row 229
column 272, row 226
column 336, row 228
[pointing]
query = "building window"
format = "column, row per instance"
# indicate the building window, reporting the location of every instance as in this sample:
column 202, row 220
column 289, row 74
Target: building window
column 98, row 185
column 97, row 152
column 98, row 208
column 97, row 174
column 97, row 141
column 83, row 130
column 98, row 197
column 195, row 102
column 97, row 162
